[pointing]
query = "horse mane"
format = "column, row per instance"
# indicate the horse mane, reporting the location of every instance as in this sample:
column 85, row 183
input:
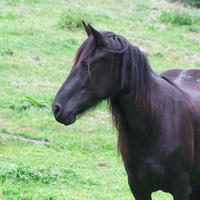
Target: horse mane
column 136, row 78
column 135, row 72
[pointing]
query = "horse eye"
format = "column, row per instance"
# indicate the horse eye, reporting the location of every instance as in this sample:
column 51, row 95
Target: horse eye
column 85, row 64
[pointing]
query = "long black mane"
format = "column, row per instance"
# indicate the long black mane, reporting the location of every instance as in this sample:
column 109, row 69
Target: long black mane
column 135, row 72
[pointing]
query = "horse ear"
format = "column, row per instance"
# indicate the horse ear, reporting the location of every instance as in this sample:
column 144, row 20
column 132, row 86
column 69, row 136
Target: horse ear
column 98, row 37
column 87, row 30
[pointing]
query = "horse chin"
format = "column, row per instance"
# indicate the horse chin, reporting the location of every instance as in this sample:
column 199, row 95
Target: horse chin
column 70, row 119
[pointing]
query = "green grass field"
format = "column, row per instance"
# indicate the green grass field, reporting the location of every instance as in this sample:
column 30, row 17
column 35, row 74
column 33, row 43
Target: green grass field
column 38, row 40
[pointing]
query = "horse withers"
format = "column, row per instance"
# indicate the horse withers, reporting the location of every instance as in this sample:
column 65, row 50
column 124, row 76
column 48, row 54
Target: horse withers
column 157, row 116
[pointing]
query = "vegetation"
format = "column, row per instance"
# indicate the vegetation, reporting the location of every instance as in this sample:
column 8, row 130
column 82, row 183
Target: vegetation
column 195, row 3
column 179, row 18
column 38, row 40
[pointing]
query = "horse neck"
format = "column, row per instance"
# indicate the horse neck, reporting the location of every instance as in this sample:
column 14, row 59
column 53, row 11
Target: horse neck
column 139, row 118
column 136, row 114
column 135, row 123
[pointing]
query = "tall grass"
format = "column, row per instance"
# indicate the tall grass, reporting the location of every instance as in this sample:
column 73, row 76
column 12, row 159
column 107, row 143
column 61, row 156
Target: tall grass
column 179, row 18
column 195, row 3
column 26, row 174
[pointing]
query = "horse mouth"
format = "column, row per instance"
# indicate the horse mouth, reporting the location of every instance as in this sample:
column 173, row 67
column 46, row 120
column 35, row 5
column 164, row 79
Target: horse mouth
column 70, row 119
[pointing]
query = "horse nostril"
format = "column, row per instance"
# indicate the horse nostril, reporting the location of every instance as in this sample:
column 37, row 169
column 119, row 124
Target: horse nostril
column 57, row 110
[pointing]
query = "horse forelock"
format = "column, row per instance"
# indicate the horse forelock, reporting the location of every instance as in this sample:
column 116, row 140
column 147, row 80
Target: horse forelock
column 116, row 45
column 85, row 50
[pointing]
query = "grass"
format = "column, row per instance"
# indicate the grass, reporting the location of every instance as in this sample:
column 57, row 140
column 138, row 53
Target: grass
column 181, row 18
column 194, row 3
column 37, row 44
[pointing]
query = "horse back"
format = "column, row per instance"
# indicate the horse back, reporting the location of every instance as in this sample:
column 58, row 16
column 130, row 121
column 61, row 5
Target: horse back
column 187, row 80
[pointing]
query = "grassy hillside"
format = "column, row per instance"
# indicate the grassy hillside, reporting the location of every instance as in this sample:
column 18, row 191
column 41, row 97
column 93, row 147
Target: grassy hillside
column 38, row 40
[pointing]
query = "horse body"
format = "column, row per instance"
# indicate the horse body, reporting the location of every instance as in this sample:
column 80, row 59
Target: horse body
column 189, row 82
column 162, row 153
column 157, row 116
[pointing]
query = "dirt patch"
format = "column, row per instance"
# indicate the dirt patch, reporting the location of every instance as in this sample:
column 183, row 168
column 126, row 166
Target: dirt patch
column 103, row 164
column 38, row 142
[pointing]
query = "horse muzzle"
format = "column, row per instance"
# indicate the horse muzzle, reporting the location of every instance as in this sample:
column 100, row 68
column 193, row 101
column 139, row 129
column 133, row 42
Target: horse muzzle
column 62, row 116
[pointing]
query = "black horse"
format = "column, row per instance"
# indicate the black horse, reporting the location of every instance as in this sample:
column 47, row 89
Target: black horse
column 157, row 116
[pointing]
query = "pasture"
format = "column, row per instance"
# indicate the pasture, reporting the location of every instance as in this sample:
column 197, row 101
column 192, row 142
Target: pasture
column 38, row 40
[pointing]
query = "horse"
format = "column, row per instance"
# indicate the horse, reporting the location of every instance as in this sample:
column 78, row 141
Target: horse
column 156, row 115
